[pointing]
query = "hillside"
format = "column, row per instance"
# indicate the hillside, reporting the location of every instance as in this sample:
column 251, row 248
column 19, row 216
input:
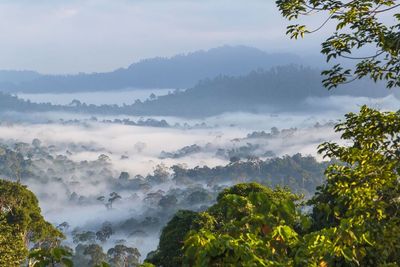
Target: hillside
column 282, row 88
column 180, row 71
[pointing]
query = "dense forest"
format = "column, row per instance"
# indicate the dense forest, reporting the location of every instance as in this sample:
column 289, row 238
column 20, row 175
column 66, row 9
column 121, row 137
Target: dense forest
column 279, row 89
column 189, row 188
column 214, row 223
column 107, row 187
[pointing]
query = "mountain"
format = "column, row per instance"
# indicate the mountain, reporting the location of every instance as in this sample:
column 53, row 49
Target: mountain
column 16, row 77
column 9, row 79
column 278, row 89
column 180, row 71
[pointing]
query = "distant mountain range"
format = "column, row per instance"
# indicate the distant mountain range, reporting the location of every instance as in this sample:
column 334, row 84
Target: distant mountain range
column 180, row 71
column 278, row 89
column 17, row 76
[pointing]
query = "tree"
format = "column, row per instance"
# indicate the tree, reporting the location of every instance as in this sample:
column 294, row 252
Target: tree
column 362, row 26
column 253, row 226
column 168, row 202
column 354, row 218
column 123, row 256
column 169, row 252
column 356, row 212
column 96, row 254
column 12, row 248
column 51, row 257
column 111, row 199
column 83, row 237
column 21, row 224
column 124, row 176
column 105, row 232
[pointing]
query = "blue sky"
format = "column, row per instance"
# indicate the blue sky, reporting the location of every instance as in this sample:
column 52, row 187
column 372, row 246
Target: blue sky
column 60, row 36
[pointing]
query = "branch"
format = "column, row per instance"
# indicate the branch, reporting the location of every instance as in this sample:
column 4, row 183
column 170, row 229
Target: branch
column 361, row 58
column 386, row 9
column 322, row 25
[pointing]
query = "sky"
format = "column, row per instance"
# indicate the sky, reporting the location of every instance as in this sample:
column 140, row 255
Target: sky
column 71, row 36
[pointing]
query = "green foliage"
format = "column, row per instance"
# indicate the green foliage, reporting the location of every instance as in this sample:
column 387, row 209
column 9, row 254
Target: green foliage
column 245, row 189
column 52, row 257
column 254, row 226
column 301, row 173
column 354, row 218
column 360, row 24
column 12, row 248
column 169, row 251
column 21, row 209
column 92, row 255
column 21, row 224
column 356, row 210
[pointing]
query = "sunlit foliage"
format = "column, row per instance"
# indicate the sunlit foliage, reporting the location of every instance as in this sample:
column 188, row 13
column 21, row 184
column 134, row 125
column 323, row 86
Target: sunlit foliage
column 352, row 220
column 366, row 33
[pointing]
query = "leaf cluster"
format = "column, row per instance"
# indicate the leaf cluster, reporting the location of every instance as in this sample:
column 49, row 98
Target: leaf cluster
column 352, row 220
column 360, row 25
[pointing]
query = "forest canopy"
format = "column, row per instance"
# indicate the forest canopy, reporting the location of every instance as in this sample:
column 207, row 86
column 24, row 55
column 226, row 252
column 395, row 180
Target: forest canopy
column 354, row 218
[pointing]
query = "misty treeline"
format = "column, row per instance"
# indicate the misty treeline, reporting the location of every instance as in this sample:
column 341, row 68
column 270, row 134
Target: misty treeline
column 69, row 184
column 352, row 219
column 143, row 122
column 277, row 89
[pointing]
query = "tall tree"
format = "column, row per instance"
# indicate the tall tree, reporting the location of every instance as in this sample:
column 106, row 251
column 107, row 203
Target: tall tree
column 356, row 212
column 123, row 256
column 366, row 33
column 21, row 224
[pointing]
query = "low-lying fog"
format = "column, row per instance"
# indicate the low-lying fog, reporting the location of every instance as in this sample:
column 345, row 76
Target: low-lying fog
column 79, row 159
column 120, row 97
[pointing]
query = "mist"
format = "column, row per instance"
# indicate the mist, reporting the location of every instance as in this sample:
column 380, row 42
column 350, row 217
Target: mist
column 157, row 165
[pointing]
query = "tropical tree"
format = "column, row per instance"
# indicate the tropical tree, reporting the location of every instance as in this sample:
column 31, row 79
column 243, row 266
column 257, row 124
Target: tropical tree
column 22, row 225
column 105, row 232
column 252, row 226
column 50, row 257
column 356, row 213
column 353, row 218
column 366, row 33
column 12, row 247
column 96, row 255
column 169, row 252
column 83, row 237
column 114, row 196
column 123, row 256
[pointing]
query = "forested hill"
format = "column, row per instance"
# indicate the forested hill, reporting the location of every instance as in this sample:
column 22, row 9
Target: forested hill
column 16, row 77
column 281, row 88
column 181, row 71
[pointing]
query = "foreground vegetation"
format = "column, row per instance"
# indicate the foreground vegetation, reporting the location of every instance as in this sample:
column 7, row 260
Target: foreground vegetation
column 353, row 220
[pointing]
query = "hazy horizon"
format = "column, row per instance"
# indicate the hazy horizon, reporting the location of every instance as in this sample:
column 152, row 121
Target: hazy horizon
column 66, row 37
column 314, row 59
